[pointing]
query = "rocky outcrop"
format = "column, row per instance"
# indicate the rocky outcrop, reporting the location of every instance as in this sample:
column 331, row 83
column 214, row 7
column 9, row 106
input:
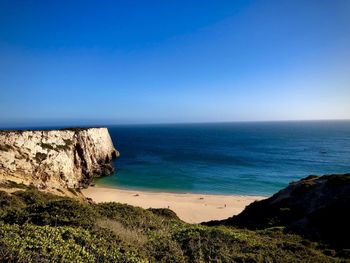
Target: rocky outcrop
column 316, row 207
column 68, row 158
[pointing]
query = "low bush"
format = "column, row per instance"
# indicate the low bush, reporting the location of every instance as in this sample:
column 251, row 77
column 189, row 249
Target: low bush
column 39, row 227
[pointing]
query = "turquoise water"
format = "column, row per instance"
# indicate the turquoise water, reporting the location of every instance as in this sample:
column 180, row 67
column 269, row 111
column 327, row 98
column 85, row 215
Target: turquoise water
column 231, row 158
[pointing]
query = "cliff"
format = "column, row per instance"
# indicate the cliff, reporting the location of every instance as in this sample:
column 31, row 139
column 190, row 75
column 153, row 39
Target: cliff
column 316, row 207
column 68, row 158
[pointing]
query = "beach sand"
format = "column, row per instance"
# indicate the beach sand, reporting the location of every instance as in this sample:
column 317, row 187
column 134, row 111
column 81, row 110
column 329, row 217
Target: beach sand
column 191, row 208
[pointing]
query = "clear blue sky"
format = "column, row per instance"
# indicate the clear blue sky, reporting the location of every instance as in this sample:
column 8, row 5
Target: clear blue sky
column 173, row 61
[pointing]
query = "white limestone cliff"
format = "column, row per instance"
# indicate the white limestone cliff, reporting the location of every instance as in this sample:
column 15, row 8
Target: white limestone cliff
column 68, row 158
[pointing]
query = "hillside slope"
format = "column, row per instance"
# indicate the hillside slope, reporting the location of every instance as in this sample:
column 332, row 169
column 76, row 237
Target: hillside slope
column 41, row 227
column 316, row 207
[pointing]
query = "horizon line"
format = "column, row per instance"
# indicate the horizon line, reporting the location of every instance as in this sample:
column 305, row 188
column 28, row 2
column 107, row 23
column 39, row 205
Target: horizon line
column 95, row 123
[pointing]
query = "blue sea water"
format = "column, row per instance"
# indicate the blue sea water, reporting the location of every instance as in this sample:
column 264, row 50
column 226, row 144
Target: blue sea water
column 227, row 158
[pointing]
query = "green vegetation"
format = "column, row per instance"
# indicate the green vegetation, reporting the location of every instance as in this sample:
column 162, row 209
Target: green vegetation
column 338, row 180
column 73, row 191
column 66, row 146
column 32, row 243
column 47, row 146
column 314, row 207
column 303, row 187
column 12, row 184
column 40, row 227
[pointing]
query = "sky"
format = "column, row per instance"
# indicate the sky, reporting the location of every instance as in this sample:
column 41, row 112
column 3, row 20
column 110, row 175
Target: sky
column 81, row 62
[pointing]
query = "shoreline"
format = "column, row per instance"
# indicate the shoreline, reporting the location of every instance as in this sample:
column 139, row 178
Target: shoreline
column 156, row 190
column 190, row 207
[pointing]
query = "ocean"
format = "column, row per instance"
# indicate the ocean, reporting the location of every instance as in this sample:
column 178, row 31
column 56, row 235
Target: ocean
column 246, row 158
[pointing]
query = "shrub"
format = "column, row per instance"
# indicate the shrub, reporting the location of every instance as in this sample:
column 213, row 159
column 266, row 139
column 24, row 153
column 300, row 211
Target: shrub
column 338, row 180
column 30, row 243
column 39, row 227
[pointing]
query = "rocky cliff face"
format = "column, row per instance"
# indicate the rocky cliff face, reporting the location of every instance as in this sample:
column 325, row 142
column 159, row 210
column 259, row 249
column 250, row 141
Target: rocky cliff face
column 56, row 158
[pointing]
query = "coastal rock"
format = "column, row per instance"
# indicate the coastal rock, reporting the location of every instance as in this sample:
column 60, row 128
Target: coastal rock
column 68, row 158
column 316, row 207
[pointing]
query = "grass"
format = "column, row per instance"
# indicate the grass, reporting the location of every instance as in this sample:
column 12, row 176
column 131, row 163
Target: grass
column 130, row 236
column 11, row 184
column 73, row 191
column 40, row 227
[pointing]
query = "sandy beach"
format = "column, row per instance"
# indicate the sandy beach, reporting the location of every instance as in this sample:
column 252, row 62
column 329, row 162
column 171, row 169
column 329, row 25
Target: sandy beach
column 191, row 208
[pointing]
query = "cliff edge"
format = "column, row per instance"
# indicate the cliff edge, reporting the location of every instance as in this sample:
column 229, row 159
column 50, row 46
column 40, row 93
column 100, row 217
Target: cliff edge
column 68, row 158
